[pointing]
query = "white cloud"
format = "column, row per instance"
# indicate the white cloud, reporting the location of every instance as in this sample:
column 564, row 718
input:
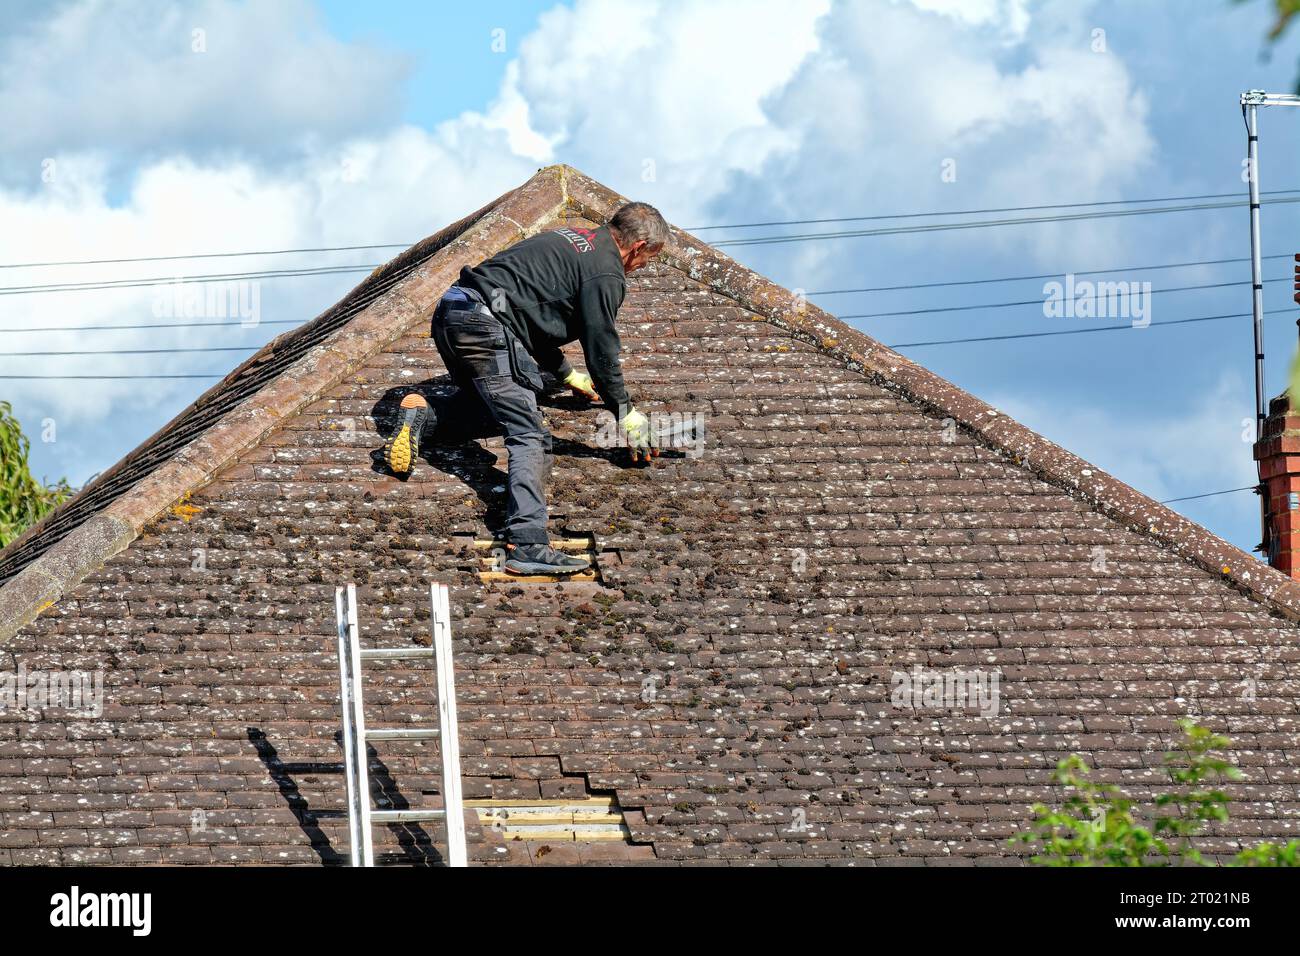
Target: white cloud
column 612, row 87
column 897, row 92
column 123, row 76
column 1011, row 16
column 397, row 188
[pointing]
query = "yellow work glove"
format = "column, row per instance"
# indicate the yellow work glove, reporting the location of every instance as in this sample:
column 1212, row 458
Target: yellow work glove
column 639, row 439
column 582, row 384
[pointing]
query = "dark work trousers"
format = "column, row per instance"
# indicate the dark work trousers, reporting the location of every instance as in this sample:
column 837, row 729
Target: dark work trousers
column 495, row 378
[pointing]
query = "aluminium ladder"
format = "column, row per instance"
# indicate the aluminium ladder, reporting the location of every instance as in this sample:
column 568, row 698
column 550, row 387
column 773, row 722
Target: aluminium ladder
column 361, row 817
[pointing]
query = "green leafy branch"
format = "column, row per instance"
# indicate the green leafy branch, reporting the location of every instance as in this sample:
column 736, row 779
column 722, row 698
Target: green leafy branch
column 23, row 499
column 1096, row 826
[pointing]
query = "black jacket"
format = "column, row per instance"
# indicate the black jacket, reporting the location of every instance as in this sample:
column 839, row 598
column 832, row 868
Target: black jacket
column 560, row 286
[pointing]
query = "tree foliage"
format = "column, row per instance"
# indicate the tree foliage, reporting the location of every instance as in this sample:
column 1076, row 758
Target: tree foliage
column 1284, row 10
column 1097, row 827
column 23, row 499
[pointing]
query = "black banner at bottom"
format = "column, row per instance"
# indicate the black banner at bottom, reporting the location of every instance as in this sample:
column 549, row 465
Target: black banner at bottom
column 198, row 906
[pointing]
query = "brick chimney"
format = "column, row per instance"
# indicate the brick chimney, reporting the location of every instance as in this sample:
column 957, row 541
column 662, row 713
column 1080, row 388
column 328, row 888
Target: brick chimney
column 1278, row 453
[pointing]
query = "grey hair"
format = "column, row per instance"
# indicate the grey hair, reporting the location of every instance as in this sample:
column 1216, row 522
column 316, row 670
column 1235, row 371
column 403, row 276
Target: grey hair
column 638, row 220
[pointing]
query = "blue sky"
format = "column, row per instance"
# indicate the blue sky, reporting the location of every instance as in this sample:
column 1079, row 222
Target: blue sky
column 445, row 44
column 149, row 128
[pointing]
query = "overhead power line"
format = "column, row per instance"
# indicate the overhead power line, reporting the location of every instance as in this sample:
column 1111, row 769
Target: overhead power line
column 105, row 284
column 896, row 345
column 325, row 270
column 215, row 348
column 975, row 212
column 1103, row 328
column 1041, row 301
column 205, row 255
column 985, row 338
column 981, row 224
column 1055, row 275
column 1049, row 275
column 1209, row 494
column 109, row 377
column 156, row 325
column 787, row 222
column 363, row 267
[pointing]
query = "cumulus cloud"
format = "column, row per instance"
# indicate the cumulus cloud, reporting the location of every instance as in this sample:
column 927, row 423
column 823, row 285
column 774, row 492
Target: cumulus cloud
column 918, row 109
column 664, row 99
column 1011, row 17
column 151, row 78
column 395, row 188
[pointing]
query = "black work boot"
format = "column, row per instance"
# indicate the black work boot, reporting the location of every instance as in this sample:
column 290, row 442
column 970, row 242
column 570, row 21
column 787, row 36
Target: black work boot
column 403, row 446
column 542, row 559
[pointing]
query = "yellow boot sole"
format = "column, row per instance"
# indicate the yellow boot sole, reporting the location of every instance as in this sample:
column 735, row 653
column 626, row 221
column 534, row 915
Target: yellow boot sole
column 403, row 446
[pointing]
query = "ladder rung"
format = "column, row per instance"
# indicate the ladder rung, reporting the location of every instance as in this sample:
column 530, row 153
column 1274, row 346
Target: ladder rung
column 394, row 653
column 405, row 816
column 401, row 733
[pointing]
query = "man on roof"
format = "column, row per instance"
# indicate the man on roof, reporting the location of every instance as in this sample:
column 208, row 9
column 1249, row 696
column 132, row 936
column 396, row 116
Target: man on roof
column 501, row 325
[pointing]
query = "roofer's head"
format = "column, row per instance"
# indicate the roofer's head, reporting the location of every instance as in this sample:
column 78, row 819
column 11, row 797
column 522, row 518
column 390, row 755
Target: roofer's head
column 640, row 233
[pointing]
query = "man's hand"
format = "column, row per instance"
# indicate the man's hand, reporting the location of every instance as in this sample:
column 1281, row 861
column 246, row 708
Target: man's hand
column 639, row 439
column 581, row 384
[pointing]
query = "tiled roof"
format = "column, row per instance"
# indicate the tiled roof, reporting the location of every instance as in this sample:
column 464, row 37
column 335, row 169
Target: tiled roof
column 852, row 516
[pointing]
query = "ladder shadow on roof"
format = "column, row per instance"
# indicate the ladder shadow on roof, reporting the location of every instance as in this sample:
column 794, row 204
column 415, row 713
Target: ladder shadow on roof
column 284, row 776
column 416, row 845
